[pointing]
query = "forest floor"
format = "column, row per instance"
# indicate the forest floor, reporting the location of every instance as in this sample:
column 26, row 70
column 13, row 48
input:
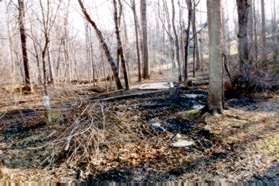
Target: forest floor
column 133, row 136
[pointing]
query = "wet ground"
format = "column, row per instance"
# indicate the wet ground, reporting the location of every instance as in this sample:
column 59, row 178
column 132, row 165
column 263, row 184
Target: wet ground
column 140, row 130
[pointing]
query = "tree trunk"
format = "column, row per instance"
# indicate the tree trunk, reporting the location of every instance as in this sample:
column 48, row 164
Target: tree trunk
column 37, row 55
column 169, row 33
column 251, row 32
column 274, row 32
column 137, row 38
column 120, row 51
column 23, row 39
column 198, row 64
column 187, row 40
column 255, row 42
column 243, row 48
column 196, row 55
column 51, row 79
column 215, row 97
column 263, row 36
column 194, row 36
column 103, row 44
column 181, row 34
column 144, row 39
column 176, row 42
column 44, row 52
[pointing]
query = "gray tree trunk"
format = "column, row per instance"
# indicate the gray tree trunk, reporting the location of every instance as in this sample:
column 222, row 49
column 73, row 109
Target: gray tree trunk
column 263, row 35
column 144, row 39
column 243, row 47
column 120, row 52
column 133, row 6
column 187, row 40
column 196, row 59
column 176, row 42
column 255, row 41
column 215, row 97
column 274, row 33
column 169, row 33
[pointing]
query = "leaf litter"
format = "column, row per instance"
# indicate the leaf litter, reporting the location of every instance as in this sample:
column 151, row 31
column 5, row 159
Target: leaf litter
column 116, row 139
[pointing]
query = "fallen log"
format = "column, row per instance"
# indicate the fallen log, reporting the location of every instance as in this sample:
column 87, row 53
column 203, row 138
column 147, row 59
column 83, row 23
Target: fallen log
column 135, row 95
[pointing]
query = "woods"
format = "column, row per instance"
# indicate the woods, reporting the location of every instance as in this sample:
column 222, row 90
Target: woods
column 139, row 90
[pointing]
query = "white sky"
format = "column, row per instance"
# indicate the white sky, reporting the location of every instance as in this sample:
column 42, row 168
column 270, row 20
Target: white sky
column 101, row 11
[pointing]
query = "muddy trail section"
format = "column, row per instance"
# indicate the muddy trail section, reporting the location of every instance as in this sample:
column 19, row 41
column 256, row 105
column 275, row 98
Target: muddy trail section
column 142, row 135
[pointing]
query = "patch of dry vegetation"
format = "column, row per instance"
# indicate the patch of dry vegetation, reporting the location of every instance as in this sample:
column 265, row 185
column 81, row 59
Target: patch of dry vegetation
column 114, row 140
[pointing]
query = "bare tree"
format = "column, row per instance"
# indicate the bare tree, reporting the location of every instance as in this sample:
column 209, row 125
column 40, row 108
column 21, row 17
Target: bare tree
column 103, row 44
column 196, row 55
column 243, row 49
column 275, row 36
column 263, row 34
column 187, row 40
column 215, row 97
column 255, row 41
column 47, row 20
column 167, row 29
column 144, row 39
column 23, row 38
column 120, row 52
column 90, row 51
column 136, row 25
column 176, row 42
column 251, row 32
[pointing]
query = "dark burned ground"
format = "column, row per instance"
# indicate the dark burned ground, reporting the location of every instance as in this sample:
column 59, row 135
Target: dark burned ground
column 123, row 145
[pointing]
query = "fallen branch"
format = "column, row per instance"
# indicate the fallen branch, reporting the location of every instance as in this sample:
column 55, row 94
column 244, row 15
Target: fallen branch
column 134, row 95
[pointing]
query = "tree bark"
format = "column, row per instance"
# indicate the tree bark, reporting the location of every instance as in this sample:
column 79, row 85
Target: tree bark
column 168, row 30
column 51, row 79
column 144, row 39
column 176, row 42
column 251, row 32
column 187, row 40
column 120, row 51
column 255, row 42
column 274, row 33
column 263, row 35
column 196, row 55
column 137, row 38
column 215, row 97
column 103, row 44
column 23, row 39
column 44, row 52
column 243, row 47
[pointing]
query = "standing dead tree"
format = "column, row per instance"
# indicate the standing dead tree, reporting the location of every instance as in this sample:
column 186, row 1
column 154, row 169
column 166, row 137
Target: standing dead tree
column 104, row 45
